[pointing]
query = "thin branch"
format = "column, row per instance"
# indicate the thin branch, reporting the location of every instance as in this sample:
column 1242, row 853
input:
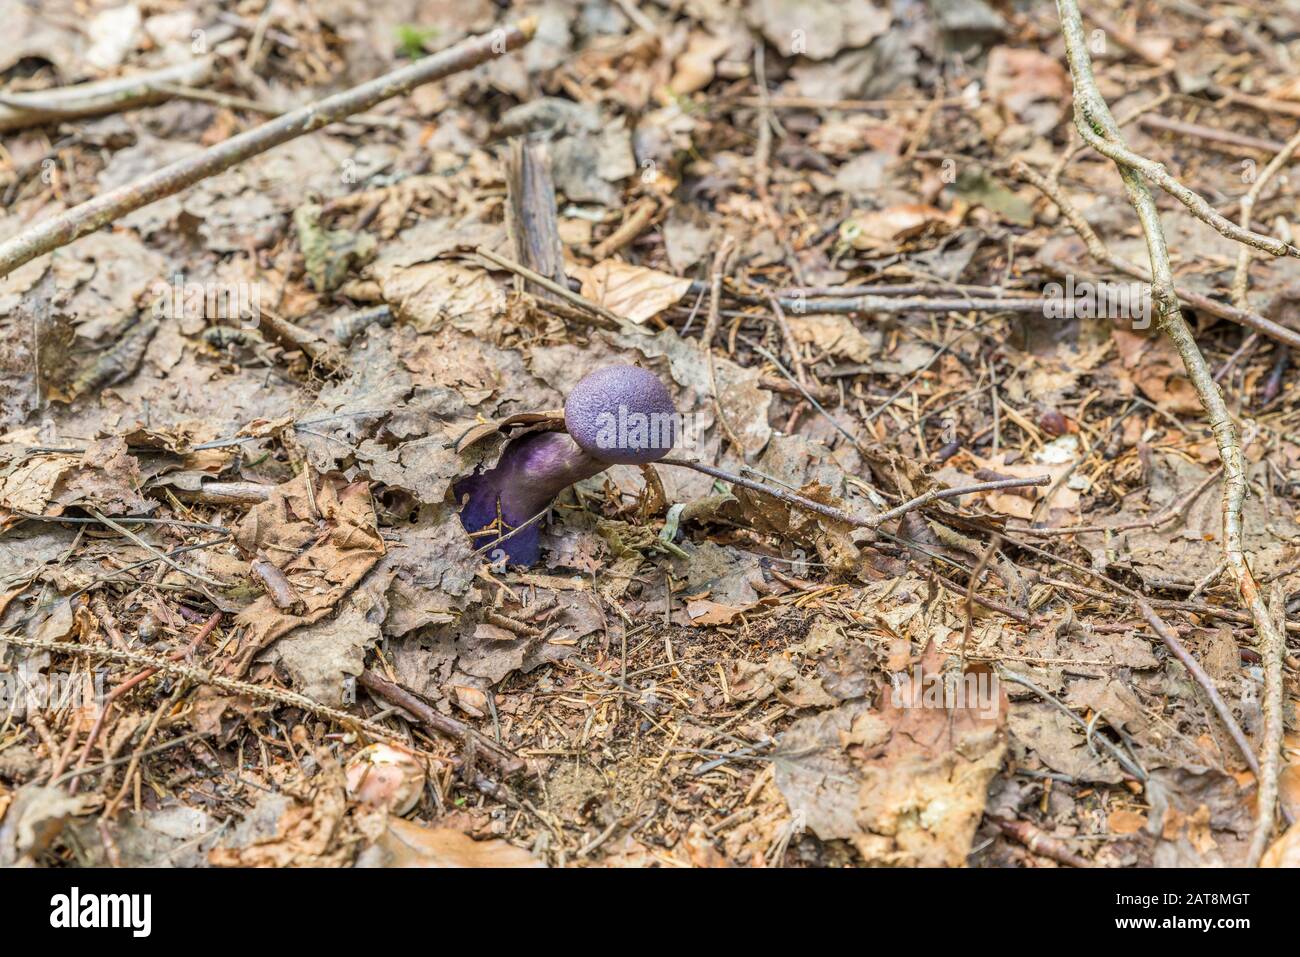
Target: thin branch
column 1271, row 747
column 1194, row 668
column 1098, row 128
column 504, row 760
column 1165, row 633
column 559, row 289
column 101, row 96
column 1098, row 251
column 103, row 209
column 157, row 553
column 1091, row 110
column 203, row 676
column 858, row 521
column 1124, row 761
column 1241, row 278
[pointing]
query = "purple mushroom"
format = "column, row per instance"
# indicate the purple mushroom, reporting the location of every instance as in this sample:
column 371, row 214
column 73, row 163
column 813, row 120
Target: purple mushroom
column 616, row 415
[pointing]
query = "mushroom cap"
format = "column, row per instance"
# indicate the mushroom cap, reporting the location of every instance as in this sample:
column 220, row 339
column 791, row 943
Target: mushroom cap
column 622, row 415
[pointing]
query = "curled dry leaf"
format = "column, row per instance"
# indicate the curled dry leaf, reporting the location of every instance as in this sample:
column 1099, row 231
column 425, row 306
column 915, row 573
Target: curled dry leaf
column 386, row 777
column 887, row 228
column 326, row 564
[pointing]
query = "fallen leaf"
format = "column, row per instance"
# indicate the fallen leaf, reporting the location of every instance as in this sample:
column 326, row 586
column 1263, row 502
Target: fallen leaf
column 905, row 783
column 886, row 228
column 406, row 844
column 633, row 292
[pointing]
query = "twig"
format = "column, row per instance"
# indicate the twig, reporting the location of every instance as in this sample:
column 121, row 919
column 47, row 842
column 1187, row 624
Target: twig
column 1039, row 842
column 203, row 676
column 1163, row 631
column 1167, row 514
column 868, row 521
column 1098, row 251
column 1204, row 680
column 320, row 351
column 157, row 553
column 1075, row 147
column 796, row 361
column 1099, row 130
column 135, row 756
column 232, row 102
column 1093, row 119
column 1210, row 135
column 1262, row 103
column 1241, row 278
column 633, row 225
column 1271, row 747
column 504, row 760
column 99, row 97
column 103, row 209
column 484, row 549
column 1127, row 763
column 560, row 290
column 123, row 519
column 800, row 388
column 975, row 576
column 906, row 386
column 721, row 263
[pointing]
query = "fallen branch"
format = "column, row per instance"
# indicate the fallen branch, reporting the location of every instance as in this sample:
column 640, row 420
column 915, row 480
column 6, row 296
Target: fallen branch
column 1241, row 278
column 1098, row 251
column 1198, row 673
column 18, row 110
column 1164, row 632
column 1274, row 727
column 1210, row 135
column 1093, row 119
column 95, row 213
column 858, row 521
column 1097, row 126
column 1039, row 842
column 203, row 676
column 1126, row 762
column 502, row 759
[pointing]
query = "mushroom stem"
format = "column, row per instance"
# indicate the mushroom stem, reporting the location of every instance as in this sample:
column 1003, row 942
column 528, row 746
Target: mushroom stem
column 531, row 472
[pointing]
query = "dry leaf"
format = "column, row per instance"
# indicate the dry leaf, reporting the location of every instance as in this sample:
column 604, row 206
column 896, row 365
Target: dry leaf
column 405, row 844
column 634, row 292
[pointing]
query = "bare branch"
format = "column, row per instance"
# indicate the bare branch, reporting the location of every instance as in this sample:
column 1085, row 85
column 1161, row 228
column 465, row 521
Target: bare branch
column 103, row 209
column 101, row 96
column 1241, row 279
column 1100, row 131
column 1091, row 107
column 1098, row 251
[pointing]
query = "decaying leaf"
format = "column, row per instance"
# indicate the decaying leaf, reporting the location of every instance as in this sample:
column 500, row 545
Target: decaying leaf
column 905, row 783
column 332, row 541
column 406, row 844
